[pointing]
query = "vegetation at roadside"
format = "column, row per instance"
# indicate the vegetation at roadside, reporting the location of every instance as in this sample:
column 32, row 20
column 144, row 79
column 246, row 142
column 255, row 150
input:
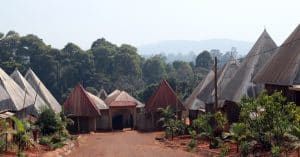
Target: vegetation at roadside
column 53, row 128
column 267, row 124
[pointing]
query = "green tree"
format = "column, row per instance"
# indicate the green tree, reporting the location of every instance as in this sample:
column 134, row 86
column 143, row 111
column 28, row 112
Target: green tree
column 204, row 60
column 154, row 69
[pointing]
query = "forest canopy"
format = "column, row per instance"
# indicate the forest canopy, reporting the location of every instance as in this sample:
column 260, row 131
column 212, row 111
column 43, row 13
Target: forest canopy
column 103, row 65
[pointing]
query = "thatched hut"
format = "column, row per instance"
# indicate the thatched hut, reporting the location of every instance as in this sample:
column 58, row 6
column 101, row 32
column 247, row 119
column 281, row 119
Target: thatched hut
column 241, row 84
column 282, row 71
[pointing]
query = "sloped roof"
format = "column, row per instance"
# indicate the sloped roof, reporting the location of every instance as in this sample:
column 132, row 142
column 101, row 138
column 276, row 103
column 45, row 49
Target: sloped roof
column 122, row 99
column 192, row 102
column 164, row 96
column 98, row 101
column 205, row 95
column 5, row 101
column 43, row 92
column 102, row 94
column 22, row 82
column 283, row 67
column 82, row 103
column 15, row 92
column 241, row 84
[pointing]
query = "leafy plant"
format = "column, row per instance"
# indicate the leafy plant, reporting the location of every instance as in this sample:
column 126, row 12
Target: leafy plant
column 245, row 150
column 193, row 143
column 202, row 124
column 48, row 122
column 238, row 133
column 224, row 151
column 269, row 118
column 275, row 151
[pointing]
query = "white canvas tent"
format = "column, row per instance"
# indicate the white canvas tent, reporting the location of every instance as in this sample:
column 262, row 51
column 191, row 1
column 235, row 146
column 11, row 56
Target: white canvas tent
column 43, row 92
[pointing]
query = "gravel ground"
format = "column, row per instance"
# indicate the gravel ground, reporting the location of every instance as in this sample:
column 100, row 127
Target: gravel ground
column 124, row 144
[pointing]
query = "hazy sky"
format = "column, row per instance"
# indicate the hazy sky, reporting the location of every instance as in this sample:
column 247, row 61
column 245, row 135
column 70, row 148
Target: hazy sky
column 140, row 22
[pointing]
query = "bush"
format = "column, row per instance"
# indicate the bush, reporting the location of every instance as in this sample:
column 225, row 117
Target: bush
column 54, row 146
column 245, row 150
column 193, row 143
column 45, row 140
column 2, row 144
column 275, row 151
column 48, row 122
column 224, row 151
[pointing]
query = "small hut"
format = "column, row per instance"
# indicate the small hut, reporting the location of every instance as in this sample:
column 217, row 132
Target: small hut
column 164, row 96
column 122, row 109
column 202, row 98
column 83, row 108
column 241, row 84
column 282, row 71
column 42, row 91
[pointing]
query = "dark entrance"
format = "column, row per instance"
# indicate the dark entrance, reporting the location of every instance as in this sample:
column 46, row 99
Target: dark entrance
column 117, row 122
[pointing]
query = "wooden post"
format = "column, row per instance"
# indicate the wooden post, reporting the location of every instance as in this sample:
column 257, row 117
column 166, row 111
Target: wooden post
column 216, row 86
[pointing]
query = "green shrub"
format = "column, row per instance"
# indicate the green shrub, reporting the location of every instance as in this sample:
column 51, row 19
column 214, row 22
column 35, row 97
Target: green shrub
column 224, row 151
column 48, row 122
column 45, row 140
column 54, row 146
column 2, row 144
column 245, row 150
column 193, row 143
column 275, row 151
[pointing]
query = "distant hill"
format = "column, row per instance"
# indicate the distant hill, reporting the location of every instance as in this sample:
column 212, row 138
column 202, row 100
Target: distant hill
column 186, row 46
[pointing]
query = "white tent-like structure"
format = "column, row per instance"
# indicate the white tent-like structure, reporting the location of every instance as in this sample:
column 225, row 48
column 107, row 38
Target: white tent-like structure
column 42, row 91
column 13, row 97
column 38, row 103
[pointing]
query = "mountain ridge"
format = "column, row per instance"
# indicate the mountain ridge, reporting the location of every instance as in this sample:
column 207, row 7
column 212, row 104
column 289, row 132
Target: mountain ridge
column 186, row 46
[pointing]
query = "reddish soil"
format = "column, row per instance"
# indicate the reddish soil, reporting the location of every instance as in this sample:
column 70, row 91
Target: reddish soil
column 124, row 144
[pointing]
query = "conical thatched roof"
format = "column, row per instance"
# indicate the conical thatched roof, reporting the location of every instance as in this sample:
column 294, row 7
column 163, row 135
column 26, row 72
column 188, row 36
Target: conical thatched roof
column 5, row 101
column 82, row 103
column 205, row 93
column 22, row 82
column 241, row 84
column 41, row 89
column 18, row 100
column 192, row 102
column 283, row 68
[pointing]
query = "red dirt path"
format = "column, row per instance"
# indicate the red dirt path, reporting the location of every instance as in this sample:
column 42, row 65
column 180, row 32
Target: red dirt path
column 124, row 144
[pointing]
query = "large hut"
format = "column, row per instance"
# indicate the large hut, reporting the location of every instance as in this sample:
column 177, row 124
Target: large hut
column 13, row 97
column 282, row 71
column 84, row 108
column 38, row 103
column 42, row 91
column 163, row 96
column 202, row 98
column 122, row 109
column 241, row 84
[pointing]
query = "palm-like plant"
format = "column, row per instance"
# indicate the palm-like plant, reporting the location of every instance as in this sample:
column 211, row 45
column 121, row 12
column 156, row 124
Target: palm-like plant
column 237, row 133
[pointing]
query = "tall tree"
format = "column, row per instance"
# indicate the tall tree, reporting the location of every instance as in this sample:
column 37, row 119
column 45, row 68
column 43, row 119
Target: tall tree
column 204, row 60
column 154, row 69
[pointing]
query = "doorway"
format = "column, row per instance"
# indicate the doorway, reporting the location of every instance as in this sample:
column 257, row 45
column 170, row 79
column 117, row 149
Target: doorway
column 117, row 122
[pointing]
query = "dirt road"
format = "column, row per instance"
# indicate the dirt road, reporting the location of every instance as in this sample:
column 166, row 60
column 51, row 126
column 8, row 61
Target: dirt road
column 124, row 144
